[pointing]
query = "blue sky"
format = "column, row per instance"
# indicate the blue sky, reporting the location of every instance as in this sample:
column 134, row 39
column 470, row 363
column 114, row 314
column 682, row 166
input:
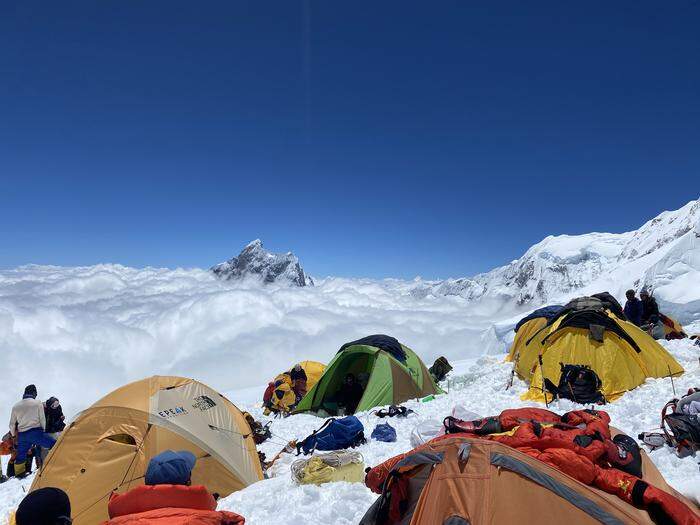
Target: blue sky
column 371, row 138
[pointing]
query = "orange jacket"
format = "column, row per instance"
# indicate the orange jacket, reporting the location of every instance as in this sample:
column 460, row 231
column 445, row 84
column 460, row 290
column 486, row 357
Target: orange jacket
column 168, row 504
column 6, row 448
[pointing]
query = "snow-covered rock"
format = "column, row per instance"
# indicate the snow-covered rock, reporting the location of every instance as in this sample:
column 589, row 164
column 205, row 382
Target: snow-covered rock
column 256, row 261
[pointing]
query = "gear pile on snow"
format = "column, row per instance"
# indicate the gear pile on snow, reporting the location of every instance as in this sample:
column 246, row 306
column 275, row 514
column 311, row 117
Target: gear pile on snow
column 523, row 465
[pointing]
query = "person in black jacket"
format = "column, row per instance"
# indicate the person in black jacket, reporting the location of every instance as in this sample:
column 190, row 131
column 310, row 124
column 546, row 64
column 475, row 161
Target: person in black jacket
column 55, row 420
column 649, row 307
column 350, row 394
column 633, row 308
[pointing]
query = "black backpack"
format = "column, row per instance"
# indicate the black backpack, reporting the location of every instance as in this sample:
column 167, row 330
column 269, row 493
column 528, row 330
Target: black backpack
column 682, row 430
column 579, row 383
column 441, row 367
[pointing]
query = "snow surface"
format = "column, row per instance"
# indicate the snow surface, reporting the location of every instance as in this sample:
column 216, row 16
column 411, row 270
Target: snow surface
column 476, row 384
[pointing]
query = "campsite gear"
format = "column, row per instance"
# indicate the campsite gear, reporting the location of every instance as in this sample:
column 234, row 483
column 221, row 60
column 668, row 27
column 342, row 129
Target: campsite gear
column 480, row 427
column 288, row 448
column 441, row 367
column 47, row 506
column 389, row 380
column 546, row 312
column 672, row 328
column 261, row 433
column 461, row 412
column 168, row 505
column 680, row 426
column 689, row 403
column 622, row 361
column 324, row 468
column 425, row 431
column 530, row 463
column 512, row 371
column 578, row 383
column 386, row 343
column 384, row 432
column 281, row 399
column 611, row 304
column 653, row 440
column 7, row 445
column 428, row 398
column 108, row 446
column 628, row 456
column 334, row 434
column 394, row 410
column 461, row 479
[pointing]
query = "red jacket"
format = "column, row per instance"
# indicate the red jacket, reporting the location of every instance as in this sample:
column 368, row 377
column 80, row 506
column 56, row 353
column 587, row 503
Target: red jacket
column 168, row 504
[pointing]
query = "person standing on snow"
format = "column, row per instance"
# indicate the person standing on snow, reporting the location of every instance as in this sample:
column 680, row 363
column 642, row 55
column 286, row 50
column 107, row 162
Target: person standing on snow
column 27, row 424
column 633, row 308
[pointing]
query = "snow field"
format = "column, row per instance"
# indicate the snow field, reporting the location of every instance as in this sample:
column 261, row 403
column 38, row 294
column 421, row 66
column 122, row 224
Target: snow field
column 477, row 385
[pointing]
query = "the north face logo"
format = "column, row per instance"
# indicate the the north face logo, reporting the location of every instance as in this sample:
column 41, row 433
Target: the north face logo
column 203, row 403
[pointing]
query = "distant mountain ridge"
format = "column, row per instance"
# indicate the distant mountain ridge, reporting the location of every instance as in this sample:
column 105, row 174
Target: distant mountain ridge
column 662, row 250
column 662, row 255
column 256, row 262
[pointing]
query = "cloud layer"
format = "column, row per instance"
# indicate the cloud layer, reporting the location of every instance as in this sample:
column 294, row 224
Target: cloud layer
column 80, row 332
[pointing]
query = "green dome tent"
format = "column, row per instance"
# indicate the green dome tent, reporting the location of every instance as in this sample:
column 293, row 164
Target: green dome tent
column 389, row 373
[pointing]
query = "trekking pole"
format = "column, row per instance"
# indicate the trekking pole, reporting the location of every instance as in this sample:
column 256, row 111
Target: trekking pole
column 512, row 372
column 544, row 390
column 673, row 385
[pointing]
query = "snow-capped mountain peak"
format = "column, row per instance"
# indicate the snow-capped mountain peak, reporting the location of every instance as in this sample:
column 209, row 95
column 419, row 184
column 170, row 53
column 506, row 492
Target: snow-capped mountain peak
column 255, row 261
column 557, row 267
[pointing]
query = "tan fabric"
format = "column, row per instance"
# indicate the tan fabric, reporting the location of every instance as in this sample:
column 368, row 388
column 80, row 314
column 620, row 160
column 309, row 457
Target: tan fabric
column 27, row 414
column 108, row 446
column 482, row 493
column 404, row 387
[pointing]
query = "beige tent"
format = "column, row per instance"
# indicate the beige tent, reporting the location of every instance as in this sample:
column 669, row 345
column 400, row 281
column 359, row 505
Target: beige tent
column 108, row 446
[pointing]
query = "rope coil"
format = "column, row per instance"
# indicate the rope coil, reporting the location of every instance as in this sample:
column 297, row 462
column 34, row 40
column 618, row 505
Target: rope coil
column 321, row 466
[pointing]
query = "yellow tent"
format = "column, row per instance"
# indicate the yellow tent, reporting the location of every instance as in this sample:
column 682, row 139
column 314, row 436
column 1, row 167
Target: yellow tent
column 108, row 446
column 280, row 395
column 621, row 354
column 672, row 328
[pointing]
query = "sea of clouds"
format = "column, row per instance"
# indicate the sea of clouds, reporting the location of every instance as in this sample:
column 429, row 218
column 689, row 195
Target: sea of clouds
column 79, row 332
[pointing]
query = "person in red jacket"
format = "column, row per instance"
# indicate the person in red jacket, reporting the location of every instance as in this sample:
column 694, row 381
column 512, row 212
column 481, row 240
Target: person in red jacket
column 168, row 497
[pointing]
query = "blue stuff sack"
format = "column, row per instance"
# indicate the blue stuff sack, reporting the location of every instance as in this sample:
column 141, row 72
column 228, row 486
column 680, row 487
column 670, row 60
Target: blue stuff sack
column 384, row 432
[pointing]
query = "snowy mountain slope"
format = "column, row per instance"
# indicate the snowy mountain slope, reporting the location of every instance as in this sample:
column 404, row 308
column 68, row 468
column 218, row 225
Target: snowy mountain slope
column 561, row 266
column 255, row 261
